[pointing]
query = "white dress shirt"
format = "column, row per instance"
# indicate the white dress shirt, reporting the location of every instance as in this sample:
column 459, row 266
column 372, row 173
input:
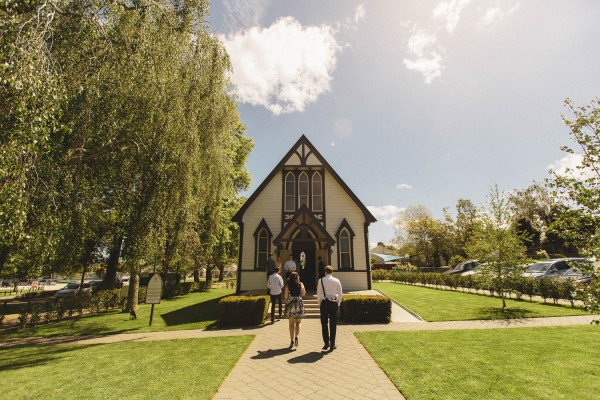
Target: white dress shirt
column 290, row 266
column 275, row 284
column 333, row 289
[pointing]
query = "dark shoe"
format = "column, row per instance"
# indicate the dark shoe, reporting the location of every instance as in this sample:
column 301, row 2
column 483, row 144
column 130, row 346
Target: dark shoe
column 296, row 341
column 326, row 346
column 291, row 345
column 333, row 347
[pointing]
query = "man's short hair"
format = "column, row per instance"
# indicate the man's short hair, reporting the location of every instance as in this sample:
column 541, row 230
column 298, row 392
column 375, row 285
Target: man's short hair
column 328, row 269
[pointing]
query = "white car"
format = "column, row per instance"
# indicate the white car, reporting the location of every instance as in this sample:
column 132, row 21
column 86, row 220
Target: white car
column 72, row 289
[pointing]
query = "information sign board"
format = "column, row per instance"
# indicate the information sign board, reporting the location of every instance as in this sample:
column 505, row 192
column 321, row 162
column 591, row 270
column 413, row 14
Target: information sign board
column 154, row 290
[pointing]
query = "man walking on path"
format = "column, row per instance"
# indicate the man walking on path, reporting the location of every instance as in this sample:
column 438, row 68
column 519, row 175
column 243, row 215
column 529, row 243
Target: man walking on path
column 329, row 296
column 290, row 266
column 275, row 285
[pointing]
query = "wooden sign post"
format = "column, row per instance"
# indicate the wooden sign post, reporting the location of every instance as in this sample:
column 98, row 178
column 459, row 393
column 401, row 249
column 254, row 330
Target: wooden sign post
column 153, row 293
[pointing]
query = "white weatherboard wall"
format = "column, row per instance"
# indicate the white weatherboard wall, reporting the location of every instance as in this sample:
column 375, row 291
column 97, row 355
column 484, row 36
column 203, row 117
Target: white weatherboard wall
column 352, row 280
column 339, row 205
column 267, row 206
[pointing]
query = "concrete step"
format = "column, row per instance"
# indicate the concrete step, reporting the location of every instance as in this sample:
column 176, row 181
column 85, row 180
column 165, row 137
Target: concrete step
column 311, row 308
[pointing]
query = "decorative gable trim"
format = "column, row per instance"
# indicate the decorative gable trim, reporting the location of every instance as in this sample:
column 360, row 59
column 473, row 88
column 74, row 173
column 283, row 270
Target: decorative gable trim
column 307, row 149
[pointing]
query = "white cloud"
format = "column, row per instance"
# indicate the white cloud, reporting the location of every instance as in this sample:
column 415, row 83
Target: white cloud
column 332, row 144
column 388, row 214
column 424, row 50
column 283, row 67
column 495, row 14
column 449, row 12
column 569, row 166
column 343, row 128
column 403, row 186
column 359, row 14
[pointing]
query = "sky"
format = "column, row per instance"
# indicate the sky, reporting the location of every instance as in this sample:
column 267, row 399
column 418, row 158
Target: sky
column 412, row 102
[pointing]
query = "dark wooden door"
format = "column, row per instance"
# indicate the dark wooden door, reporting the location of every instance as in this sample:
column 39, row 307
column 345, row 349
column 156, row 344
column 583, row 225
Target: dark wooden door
column 309, row 270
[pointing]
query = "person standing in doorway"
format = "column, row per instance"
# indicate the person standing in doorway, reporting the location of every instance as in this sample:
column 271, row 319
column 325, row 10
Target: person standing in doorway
column 294, row 307
column 290, row 266
column 271, row 266
column 321, row 266
column 275, row 285
column 329, row 296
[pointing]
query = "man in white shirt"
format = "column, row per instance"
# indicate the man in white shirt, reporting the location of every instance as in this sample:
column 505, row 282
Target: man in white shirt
column 275, row 285
column 329, row 296
column 290, row 266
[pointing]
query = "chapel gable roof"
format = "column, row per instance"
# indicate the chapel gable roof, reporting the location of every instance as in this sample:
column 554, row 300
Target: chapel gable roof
column 303, row 157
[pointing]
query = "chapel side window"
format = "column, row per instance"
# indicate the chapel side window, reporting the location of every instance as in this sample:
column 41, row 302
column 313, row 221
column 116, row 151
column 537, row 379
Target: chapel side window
column 317, row 192
column 303, row 190
column 345, row 249
column 290, row 192
column 262, row 249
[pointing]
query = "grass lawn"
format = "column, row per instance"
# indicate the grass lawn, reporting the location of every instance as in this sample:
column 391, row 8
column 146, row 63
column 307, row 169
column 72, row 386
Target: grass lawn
column 444, row 305
column 193, row 311
column 170, row 369
column 521, row 363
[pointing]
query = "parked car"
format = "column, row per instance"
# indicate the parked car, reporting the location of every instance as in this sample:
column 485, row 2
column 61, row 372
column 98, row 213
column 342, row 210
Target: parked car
column 550, row 268
column 6, row 284
column 577, row 275
column 95, row 286
column 72, row 289
column 475, row 270
column 463, row 267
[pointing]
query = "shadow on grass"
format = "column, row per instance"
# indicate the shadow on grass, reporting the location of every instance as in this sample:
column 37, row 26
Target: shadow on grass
column 199, row 312
column 507, row 313
column 35, row 356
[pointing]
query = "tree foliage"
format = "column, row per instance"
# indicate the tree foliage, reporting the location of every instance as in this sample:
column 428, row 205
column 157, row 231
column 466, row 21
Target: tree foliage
column 122, row 139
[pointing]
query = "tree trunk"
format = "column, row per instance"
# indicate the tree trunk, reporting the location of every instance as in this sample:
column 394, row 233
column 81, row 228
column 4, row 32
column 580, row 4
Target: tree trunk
column 82, row 279
column 221, row 272
column 4, row 250
column 196, row 275
column 134, row 288
column 112, row 264
column 503, row 300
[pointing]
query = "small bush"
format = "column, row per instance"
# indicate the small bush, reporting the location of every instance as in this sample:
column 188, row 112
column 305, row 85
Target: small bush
column 243, row 310
column 366, row 309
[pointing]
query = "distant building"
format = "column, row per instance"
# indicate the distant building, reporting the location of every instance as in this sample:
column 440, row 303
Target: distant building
column 305, row 209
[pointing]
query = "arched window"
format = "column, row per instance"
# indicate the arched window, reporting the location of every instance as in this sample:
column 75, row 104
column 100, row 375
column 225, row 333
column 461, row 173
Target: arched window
column 345, row 254
column 317, row 192
column 262, row 246
column 344, row 245
column 262, row 249
column 290, row 192
column 303, row 190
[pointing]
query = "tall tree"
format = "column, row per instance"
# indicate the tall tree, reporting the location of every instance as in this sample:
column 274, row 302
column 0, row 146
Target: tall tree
column 579, row 188
column 497, row 244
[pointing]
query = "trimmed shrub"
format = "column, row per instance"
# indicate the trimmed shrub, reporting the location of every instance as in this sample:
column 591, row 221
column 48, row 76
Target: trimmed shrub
column 366, row 309
column 243, row 310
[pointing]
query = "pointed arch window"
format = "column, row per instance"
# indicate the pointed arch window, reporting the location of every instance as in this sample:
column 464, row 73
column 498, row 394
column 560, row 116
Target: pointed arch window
column 345, row 252
column 303, row 190
column 262, row 238
column 317, row 192
column 290, row 193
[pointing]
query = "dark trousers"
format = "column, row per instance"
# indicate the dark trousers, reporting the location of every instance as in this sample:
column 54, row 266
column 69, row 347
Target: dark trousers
column 329, row 311
column 275, row 298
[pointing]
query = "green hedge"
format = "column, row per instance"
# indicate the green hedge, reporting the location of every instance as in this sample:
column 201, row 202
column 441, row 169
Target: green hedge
column 366, row 309
column 243, row 310
column 547, row 288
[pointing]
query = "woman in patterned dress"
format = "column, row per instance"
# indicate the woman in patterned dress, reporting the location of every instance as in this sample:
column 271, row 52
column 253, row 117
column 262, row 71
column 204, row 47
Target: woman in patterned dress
column 294, row 308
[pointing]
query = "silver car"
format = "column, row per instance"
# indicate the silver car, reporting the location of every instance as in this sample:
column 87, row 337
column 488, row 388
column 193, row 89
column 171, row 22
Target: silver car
column 550, row 268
